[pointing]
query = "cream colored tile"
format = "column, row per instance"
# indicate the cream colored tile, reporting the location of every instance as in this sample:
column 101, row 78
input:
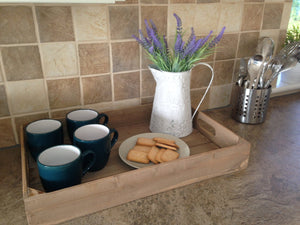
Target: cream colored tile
column 59, row 59
column 226, row 1
column 27, row 96
column 286, row 15
column 90, row 22
column 220, row 96
column 198, row 16
column 1, row 79
column 231, row 17
column 272, row 1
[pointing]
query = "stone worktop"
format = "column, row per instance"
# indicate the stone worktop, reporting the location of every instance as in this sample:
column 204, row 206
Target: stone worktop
column 267, row 192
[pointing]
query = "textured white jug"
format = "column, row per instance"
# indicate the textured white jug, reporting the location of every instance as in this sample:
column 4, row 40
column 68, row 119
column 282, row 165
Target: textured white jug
column 172, row 112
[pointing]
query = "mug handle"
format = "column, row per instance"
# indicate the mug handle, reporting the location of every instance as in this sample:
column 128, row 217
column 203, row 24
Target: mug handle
column 101, row 115
column 115, row 136
column 90, row 164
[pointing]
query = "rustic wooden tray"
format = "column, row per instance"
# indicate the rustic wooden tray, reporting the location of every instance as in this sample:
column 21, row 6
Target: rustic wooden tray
column 215, row 151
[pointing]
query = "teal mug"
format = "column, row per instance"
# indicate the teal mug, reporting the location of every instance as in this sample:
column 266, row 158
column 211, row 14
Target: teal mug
column 81, row 117
column 43, row 134
column 97, row 138
column 62, row 166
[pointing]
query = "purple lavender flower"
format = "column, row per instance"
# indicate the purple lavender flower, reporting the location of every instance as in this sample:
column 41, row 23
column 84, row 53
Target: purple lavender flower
column 179, row 23
column 153, row 27
column 178, row 44
column 217, row 39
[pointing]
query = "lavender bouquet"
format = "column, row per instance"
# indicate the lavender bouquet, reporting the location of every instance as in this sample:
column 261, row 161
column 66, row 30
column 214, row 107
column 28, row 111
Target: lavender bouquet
column 183, row 56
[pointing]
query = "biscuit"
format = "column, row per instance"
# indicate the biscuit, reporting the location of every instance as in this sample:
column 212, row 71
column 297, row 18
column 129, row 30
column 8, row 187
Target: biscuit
column 166, row 141
column 166, row 146
column 152, row 154
column 137, row 156
column 158, row 155
column 169, row 155
column 142, row 148
column 145, row 141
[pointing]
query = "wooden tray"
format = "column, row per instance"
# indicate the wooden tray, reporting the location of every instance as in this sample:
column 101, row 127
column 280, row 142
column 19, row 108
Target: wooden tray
column 215, row 151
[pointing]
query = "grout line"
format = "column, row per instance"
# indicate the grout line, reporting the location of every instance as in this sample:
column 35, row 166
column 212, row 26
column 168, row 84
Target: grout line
column 111, row 63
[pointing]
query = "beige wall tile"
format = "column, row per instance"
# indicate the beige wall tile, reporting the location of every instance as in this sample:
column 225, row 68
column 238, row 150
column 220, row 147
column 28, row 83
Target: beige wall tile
column 220, row 96
column 1, row 76
column 286, row 15
column 223, row 72
column 148, row 83
column 97, row 89
column 4, row 111
column 182, row 1
column 254, row 0
column 27, row 96
column 55, row 23
column 63, row 93
column 158, row 14
column 22, row 63
column 125, row 56
column 231, row 17
column 272, row 16
column 208, row 1
column 154, row 1
column 127, row 85
column 247, row 44
column 196, row 96
column 200, row 76
column 90, row 22
column 252, row 17
column 227, row 47
column 197, row 16
column 124, row 22
column 17, row 25
column 59, row 59
column 128, row 2
column 94, row 58
column 6, row 133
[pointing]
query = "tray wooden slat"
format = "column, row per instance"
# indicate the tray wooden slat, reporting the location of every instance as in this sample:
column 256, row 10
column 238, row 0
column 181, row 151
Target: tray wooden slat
column 215, row 151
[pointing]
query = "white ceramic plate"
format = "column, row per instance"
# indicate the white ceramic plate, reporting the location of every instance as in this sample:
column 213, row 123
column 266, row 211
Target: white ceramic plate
column 129, row 143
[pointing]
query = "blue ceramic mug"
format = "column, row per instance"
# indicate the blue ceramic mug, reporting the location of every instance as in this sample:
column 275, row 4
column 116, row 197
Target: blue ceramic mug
column 43, row 134
column 62, row 166
column 81, row 117
column 97, row 138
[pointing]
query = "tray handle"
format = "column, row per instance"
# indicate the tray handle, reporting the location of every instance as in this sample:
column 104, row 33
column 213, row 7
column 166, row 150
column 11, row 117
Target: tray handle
column 219, row 134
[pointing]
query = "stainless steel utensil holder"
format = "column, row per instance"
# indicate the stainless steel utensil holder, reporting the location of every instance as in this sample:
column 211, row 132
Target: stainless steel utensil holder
column 250, row 105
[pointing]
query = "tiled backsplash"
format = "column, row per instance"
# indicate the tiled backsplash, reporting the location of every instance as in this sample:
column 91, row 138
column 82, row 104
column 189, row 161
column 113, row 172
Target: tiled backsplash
column 55, row 58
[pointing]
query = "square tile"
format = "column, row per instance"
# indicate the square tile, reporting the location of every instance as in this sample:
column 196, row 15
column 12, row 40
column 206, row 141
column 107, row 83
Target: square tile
column 90, row 22
column 200, row 76
column 148, row 84
column 124, row 22
column 154, row 1
column 22, row 63
column 286, row 15
column 4, row 111
column 127, row 85
column 59, row 59
column 207, row 1
column 223, row 72
column 198, row 16
column 272, row 16
column 227, row 47
column 97, row 89
column 55, row 23
column 231, row 17
column 158, row 14
column 16, row 25
column 7, row 136
column 252, row 17
column 63, row 93
column 220, row 96
column 94, row 58
column 182, row 1
column 125, row 56
column 247, row 45
column 27, row 96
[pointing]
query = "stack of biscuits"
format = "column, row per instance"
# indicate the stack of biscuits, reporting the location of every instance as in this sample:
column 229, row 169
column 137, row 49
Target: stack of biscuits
column 156, row 150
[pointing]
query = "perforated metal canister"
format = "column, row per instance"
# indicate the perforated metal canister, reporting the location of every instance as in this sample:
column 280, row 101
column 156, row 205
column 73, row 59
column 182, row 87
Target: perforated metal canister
column 250, row 105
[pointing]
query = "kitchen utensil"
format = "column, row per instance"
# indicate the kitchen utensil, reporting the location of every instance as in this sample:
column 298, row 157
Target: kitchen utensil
column 242, row 72
column 274, row 68
column 265, row 48
column 254, row 66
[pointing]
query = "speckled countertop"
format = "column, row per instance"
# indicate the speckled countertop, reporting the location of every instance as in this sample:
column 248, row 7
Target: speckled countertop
column 267, row 192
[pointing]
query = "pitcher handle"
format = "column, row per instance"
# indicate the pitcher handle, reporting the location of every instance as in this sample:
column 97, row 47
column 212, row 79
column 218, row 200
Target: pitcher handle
column 212, row 77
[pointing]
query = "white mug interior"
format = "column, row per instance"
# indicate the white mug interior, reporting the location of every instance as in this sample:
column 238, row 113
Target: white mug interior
column 91, row 132
column 82, row 115
column 43, row 126
column 59, row 155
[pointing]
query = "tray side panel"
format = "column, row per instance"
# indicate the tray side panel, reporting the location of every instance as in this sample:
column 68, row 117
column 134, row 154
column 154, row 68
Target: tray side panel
column 59, row 206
